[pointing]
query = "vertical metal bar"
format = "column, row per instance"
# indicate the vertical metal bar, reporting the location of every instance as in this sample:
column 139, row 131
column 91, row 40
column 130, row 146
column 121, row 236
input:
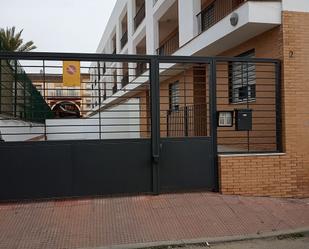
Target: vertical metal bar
column 44, row 95
column 247, row 89
column 99, row 90
column 15, row 89
column 278, row 108
column 24, row 95
column 186, row 121
column 0, row 85
column 213, row 119
column 155, row 123
column 185, row 103
column 207, row 101
column 167, row 124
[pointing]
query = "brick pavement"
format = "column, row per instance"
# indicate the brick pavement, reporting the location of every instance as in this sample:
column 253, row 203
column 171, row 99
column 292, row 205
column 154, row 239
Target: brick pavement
column 128, row 220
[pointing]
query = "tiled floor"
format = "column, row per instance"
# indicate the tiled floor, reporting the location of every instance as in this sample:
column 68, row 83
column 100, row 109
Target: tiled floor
column 128, row 220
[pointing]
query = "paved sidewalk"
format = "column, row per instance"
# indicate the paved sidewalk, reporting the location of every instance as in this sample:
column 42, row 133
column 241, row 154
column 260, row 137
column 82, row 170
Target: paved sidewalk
column 114, row 221
column 269, row 243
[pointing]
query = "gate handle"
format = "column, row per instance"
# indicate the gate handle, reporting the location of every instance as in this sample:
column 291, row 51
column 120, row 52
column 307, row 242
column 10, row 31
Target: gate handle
column 156, row 158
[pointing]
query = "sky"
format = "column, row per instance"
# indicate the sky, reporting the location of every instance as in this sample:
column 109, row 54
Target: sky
column 58, row 25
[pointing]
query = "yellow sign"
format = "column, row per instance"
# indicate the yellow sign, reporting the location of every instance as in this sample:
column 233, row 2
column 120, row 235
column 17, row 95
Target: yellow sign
column 71, row 73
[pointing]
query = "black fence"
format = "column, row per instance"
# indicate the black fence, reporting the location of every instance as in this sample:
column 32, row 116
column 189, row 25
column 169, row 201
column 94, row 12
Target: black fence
column 160, row 119
column 113, row 99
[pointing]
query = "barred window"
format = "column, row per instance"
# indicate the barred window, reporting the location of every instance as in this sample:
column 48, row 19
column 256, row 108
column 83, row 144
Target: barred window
column 174, row 96
column 242, row 80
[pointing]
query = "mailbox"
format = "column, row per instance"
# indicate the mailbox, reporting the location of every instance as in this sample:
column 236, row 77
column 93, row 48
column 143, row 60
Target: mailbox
column 244, row 120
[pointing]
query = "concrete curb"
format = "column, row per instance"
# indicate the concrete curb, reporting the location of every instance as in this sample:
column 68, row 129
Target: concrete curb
column 211, row 241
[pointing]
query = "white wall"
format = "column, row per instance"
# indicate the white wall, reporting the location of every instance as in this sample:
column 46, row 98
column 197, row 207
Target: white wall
column 119, row 122
column 295, row 5
column 188, row 26
column 22, row 131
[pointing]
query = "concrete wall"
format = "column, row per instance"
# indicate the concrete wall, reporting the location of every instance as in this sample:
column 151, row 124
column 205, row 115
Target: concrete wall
column 119, row 122
column 20, row 130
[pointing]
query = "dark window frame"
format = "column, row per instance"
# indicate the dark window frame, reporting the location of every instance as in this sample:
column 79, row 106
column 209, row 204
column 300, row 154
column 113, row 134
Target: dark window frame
column 174, row 96
column 242, row 80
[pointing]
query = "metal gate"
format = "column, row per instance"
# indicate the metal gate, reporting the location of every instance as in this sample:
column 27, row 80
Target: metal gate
column 90, row 124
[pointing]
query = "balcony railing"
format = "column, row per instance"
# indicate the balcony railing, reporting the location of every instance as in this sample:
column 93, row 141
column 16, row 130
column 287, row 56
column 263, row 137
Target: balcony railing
column 124, row 39
column 187, row 121
column 141, row 67
column 140, row 15
column 215, row 12
column 170, row 46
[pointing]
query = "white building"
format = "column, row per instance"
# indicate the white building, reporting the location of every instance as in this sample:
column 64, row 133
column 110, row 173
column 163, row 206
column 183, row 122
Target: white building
column 182, row 27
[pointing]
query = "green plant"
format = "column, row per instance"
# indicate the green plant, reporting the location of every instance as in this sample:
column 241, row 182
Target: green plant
column 12, row 41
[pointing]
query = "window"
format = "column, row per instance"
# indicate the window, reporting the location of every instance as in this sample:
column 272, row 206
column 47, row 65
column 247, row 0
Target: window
column 242, row 80
column 174, row 96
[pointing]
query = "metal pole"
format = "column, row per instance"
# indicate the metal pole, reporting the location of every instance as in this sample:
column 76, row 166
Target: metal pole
column 213, row 119
column 186, row 108
column 167, row 123
column 247, row 92
column 186, row 121
column 155, row 123
column 0, row 84
column 44, row 95
column 15, row 90
column 25, row 102
column 99, row 90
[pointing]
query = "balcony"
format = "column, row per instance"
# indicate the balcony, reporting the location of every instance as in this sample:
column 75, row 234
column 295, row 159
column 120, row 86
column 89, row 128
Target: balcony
column 124, row 39
column 140, row 15
column 215, row 12
column 170, row 45
column 218, row 35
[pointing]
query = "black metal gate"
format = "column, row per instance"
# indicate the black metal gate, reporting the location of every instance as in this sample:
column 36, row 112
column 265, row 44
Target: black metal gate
column 130, row 124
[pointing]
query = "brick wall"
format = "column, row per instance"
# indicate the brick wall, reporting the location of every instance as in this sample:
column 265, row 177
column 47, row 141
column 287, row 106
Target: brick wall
column 285, row 175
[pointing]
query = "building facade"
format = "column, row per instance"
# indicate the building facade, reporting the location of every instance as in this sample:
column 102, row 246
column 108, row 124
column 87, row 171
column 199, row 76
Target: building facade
column 64, row 101
column 238, row 28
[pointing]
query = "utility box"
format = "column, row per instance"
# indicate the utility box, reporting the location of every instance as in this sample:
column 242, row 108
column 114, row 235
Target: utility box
column 243, row 120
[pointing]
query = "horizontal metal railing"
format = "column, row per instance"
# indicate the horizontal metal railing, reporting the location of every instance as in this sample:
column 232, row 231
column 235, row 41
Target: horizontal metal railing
column 169, row 46
column 216, row 11
column 115, row 98
column 187, row 121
